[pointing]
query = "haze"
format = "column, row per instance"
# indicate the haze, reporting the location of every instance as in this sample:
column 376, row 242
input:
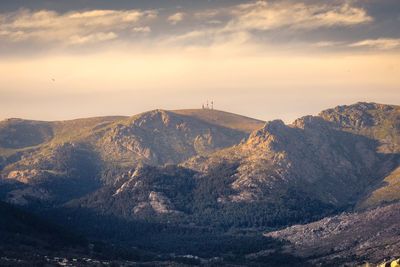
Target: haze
column 263, row 59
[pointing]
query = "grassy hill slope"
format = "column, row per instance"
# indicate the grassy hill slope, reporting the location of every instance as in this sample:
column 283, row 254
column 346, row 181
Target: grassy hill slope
column 222, row 118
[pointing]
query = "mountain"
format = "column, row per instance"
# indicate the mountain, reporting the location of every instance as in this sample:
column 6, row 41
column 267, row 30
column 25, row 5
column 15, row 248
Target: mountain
column 25, row 238
column 338, row 158
column 376, row 121
column 39, row 160
column 222, row 118
column 196, row 182
column 281, row 175
column 387, row 191
column 349, row 238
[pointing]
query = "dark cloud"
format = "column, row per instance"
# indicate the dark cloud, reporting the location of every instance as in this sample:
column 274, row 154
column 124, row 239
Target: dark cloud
column 64, row 6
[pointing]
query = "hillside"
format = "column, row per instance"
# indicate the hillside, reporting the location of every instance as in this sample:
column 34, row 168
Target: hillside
column 387, row 191
column 351, row 239
column 376, row 121
column 313, row 155
column 160, row 176
column 25, row 238
column 222, row 118
column 66, row 159
column 281, row 175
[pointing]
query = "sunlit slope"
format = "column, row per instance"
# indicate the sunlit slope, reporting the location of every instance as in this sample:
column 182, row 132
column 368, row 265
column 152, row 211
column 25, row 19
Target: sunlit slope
column 376, row 121
column 20, row 134
column 222, row 118
column 74, row 156
column 388, row 191
column 280, row 174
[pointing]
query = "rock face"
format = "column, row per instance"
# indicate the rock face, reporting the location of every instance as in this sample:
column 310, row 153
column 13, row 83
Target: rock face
column 375, row 121
column 282, row 174
column 395, row 263
column 160, row 137
column 333, row 157
column 353, row 239
column 145, row 190
column 85, row 152
column 196, row 171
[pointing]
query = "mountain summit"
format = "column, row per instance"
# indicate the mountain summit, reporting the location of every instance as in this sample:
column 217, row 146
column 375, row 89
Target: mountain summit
column 82, row 153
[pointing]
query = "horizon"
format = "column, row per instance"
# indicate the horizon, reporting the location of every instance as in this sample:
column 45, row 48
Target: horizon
column 199, row 109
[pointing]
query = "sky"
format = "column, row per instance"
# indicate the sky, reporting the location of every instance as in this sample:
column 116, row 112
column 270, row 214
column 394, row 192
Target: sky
column 269, row 60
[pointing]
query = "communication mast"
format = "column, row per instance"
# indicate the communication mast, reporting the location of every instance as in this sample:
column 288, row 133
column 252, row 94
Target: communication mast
column 207, row 106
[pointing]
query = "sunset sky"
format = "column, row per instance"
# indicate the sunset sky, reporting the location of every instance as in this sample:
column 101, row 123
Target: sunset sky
column 264, row 59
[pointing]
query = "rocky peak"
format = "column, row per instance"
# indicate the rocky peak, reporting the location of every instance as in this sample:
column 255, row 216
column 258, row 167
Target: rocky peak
column 309, row 122
column 274, row 125
column 353, row 116
column 157, row 117
column 270, row 129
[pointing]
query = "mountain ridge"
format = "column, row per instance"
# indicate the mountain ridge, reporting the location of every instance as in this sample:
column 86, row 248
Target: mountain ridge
column 310, row 158
column 46, row 152
column 171, row 172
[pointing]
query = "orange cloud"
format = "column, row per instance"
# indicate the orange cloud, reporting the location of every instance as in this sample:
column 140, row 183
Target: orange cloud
column 175, row 18
column 73, row 27
column 262, row 15
column 381, row 43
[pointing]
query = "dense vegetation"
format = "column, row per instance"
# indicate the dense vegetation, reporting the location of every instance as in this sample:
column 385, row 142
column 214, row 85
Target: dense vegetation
column 203, row 226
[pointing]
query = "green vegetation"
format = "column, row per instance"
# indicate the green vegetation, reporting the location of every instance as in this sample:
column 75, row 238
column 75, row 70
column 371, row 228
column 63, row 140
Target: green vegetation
column 388, row 192
column 196, row 208
column 376, row 121
column 76, row 153
column 19, row 227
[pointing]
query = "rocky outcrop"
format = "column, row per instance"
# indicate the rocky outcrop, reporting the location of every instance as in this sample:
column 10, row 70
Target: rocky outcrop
column 313, row 155
column 347, row 239
column 25, row 195
column 141, row 190
column 85, row 149
column 395, row 263
column 377, row 121
column 160, row 137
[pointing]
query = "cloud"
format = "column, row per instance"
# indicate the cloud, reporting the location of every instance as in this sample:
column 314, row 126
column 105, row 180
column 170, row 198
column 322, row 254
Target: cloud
column 327, row 44
column 381, row 43
column 175, row 18
column 214, row 21
column 262, row 15
column 145, row 29
column 97, row 37
column 253, row 22
column 239, row 22
column 207, row 14
column 72, row 27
